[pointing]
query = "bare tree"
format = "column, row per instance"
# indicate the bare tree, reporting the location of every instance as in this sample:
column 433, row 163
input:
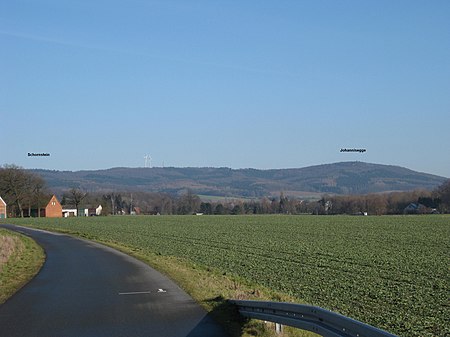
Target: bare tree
column 76, row 196
column 16, row 185
column 189, row 203
column 39, row 191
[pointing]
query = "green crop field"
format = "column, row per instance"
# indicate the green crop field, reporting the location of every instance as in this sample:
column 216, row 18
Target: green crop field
column 391, row 272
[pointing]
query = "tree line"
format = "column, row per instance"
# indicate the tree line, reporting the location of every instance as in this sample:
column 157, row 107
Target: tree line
column 425, row 202
column 24, row 191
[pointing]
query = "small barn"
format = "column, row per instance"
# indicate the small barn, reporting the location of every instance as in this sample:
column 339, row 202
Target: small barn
column 71, row 211
column 93, row 211
column 2, row 208
column 53, row 208
column 415, row 208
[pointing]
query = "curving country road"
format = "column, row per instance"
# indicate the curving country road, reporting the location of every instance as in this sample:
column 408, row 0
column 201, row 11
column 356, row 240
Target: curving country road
column 86, row 289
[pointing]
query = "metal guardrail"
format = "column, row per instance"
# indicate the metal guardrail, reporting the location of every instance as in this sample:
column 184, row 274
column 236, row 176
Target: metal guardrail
column 320, row 321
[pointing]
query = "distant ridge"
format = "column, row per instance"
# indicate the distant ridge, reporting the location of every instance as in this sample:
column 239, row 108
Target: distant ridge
column 337, row 178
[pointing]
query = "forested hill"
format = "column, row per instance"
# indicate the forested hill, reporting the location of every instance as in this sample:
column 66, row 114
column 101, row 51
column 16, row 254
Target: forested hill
column 337, row 178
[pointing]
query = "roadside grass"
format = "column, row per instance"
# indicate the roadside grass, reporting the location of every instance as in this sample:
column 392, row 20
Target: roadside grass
column 21, row 258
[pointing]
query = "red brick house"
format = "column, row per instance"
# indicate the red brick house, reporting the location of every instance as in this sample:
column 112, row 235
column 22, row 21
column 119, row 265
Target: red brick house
column 53, row 208
column 2, row 208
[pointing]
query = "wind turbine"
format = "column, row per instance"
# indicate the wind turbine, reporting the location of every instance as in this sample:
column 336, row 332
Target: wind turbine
column 148, row 161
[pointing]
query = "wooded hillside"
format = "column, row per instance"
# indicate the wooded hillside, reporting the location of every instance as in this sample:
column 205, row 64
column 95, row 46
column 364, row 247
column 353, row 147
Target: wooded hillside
column 345, row 178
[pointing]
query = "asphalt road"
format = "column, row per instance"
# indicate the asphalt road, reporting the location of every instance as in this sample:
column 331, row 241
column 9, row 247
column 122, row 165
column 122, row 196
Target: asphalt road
column 86, row 289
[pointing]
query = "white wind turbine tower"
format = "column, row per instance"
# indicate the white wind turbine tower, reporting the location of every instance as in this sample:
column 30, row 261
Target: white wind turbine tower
column 148, row 161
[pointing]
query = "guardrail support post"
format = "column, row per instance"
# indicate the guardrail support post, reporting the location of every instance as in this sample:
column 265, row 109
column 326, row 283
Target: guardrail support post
column 278, row 328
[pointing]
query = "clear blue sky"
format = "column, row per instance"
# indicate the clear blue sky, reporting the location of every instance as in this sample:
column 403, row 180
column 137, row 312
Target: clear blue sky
column 261, row 84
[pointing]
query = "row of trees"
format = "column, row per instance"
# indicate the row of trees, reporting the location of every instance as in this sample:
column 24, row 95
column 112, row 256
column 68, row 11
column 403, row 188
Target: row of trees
column 418, row 202
column 24, row 191
column 189, row 203
column 372, row 204
column 21, row 190
column 147, row 203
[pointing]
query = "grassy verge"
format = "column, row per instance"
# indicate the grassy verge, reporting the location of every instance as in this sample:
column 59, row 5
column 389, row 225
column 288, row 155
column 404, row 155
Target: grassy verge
column 20, row 260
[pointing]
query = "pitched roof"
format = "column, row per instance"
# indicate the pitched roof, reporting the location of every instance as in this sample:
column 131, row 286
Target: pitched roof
column 53, row 197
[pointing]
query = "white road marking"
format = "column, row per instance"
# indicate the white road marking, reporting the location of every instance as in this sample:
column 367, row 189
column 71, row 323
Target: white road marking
column 142, row 292
column 135, row 293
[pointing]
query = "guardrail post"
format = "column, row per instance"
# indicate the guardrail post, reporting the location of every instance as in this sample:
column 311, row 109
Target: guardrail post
column 278, row 328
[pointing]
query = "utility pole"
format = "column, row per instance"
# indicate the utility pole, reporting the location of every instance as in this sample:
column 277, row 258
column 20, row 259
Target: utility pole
column 112, row 204
column 131, row 204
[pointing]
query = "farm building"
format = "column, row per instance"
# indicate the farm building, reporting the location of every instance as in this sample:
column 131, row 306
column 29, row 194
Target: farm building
column 70, row 211
column 91, row 211
column 2, row 208
column 53, row 208
column 414, row 208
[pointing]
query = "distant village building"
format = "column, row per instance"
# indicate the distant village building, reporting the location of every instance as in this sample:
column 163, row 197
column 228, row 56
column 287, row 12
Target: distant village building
column 53, row 208
column 416, row 208
column 71, row 211
column 2, row 209
column 93, row 211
